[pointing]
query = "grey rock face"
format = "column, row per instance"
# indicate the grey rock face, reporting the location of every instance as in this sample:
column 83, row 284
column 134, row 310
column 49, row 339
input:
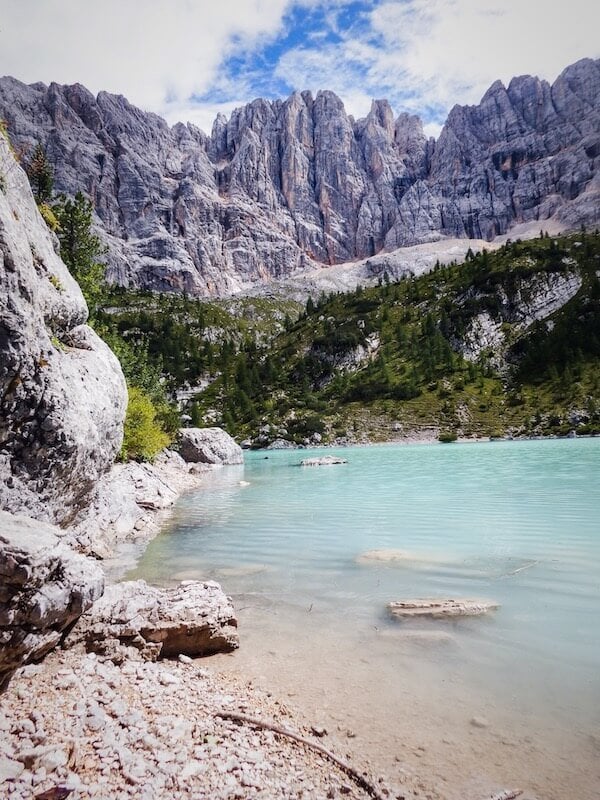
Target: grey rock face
column 283, row 186
column 62, row 392
column 527, row 152
column 44, row 587
column 533, row 299
column 194, row 619
column 209, row 446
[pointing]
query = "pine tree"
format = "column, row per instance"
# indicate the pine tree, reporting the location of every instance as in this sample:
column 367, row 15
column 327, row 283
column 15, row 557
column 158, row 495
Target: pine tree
column 41, row 175
column 80, row 249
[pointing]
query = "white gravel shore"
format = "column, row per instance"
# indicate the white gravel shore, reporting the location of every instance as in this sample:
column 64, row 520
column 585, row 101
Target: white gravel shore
column 82, row 727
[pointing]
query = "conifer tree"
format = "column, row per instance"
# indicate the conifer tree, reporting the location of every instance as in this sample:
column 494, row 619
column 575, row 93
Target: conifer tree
column 41, row 175
column 81, row 249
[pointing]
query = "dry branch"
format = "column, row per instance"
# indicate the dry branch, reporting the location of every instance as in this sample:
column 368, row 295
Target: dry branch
column 356, row 776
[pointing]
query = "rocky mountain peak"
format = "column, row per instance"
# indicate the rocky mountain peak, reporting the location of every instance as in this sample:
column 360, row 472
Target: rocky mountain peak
column 286, row 185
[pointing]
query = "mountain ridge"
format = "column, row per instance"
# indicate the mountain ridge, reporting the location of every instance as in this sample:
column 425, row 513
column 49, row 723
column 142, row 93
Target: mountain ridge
column 285, row 186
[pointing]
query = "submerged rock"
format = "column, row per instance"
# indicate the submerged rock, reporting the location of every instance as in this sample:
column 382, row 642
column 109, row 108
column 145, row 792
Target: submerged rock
column 209, row 446
column 386, row 556
column 44, row 587
column 194, row 619
column 324, row 461
column 439, row 609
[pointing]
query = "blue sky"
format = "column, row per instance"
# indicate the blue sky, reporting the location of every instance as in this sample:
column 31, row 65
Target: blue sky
column 189, row 59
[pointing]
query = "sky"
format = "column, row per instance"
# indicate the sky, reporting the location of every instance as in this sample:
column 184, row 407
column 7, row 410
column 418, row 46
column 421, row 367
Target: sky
column 187, row 60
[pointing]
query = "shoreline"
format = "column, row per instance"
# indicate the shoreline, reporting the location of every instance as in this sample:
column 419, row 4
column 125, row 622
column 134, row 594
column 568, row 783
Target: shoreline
column 267, row 664
column 144, row 701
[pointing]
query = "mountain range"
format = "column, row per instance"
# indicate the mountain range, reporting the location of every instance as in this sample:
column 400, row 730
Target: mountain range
column 285, row 186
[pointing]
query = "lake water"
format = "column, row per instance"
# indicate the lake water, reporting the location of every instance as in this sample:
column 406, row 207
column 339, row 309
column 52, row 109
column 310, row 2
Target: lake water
column 480, row 703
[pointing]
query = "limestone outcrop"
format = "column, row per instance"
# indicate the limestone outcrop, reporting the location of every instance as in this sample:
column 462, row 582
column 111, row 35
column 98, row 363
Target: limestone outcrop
column 62, row 391
column 44, row 587
column 193, row 619
column 286, row 186
column 209, row 446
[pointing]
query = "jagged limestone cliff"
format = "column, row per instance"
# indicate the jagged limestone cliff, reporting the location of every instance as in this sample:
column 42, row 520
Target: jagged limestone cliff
column 62, row 391
column 286, row 185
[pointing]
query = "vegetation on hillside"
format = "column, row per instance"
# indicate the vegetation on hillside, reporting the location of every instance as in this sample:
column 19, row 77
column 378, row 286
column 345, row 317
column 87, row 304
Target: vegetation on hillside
column 456, row 352
column 392, row 357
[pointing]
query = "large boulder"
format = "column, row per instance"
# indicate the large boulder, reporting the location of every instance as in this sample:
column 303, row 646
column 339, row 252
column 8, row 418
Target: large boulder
column 193, row 619
column 44, row 587
column 209, row 446
column 62, row 392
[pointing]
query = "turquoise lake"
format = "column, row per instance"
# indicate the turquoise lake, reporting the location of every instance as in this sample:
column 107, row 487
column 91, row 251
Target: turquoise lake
column 517, row 523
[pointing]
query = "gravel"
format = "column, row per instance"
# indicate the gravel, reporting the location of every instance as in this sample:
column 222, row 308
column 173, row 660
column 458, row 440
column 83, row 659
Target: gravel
column 149, row 730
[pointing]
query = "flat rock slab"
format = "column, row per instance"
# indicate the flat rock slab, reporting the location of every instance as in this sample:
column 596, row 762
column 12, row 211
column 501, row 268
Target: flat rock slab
column 195, row 619
column 433, row 608
column 324, row 461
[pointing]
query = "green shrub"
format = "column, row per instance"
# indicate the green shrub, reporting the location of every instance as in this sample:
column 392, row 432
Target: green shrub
column 446, row 437
column 49, row 216
column 143, row 435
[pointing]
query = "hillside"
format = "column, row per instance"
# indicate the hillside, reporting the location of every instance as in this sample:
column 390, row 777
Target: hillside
column 507, row 343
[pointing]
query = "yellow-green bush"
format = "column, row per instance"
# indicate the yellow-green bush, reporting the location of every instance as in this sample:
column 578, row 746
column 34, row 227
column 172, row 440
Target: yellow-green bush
column 49, row 216
column 143, row 435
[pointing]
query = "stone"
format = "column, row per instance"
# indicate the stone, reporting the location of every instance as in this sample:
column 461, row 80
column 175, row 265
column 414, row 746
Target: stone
column 433, row 608
column 130, row 503
column 208, row 446
column 279, row 444
column 62, row 391
column 193, row 619
column 10, row 769
column 283, row 187
column 479, row 722
column 323, row 461
column 45, row 587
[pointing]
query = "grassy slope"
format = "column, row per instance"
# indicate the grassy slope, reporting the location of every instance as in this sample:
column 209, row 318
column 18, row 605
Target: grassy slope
column 414, row 377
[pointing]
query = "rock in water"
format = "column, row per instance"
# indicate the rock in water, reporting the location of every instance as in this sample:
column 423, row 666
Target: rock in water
column 323, row 461
column 209, row 446
column 193, row 619
column 439, row 609
column 44, row 587
column 62, row 392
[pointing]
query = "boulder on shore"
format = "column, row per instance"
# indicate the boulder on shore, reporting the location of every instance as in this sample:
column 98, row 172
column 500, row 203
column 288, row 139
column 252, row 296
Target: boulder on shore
column 433, row 608
column 44, row 587
column 62, row 391
column 194, row 619
column 208, row 446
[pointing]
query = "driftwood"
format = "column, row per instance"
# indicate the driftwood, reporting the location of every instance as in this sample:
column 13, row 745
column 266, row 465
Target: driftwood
column 439, row 609
column 507, row 794
column 356, row 776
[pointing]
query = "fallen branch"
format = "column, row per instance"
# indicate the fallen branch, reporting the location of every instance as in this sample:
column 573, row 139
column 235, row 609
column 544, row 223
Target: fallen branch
column 507, row 794
column 356, row 776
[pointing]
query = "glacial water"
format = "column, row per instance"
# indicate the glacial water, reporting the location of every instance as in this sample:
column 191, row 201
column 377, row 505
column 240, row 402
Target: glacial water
column 511, row 696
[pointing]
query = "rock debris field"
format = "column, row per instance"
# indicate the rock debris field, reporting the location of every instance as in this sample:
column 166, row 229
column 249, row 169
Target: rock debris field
column 80, row 726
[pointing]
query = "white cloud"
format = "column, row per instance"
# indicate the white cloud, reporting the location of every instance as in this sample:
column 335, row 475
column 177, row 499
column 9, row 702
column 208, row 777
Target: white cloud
column 427, row 55
column 148, row 50
column 452, row 50
column 423, row 55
